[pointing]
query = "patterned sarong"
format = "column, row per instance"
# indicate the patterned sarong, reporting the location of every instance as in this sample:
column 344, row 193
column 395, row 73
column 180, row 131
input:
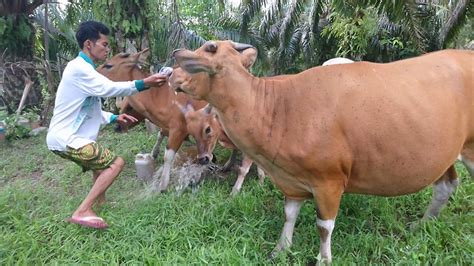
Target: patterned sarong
column 90, row 157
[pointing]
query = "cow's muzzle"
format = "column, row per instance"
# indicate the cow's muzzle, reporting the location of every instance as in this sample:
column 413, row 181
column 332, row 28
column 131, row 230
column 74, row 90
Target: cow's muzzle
column 203, row 160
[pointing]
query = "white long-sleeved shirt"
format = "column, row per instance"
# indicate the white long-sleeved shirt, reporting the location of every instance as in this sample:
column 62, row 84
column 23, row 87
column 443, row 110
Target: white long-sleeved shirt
column 78, row 112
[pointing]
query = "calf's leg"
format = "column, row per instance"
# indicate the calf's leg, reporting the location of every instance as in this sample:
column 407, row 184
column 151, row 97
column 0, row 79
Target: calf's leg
column 243, row 171
column 230, row 162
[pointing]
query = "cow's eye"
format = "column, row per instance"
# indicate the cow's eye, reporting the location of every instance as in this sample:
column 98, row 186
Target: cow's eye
column 108, row 66
column 208, row 130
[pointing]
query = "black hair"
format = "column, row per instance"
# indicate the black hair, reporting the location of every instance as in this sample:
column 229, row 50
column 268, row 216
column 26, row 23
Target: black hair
column 89, row 30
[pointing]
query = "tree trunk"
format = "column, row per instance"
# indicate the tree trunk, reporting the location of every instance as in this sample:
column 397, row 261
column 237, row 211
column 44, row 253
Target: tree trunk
column 458, row 12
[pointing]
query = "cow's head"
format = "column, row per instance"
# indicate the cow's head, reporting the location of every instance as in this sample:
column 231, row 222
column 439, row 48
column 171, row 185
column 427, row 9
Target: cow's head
column 203, row 125
column 205, row 67
column 124, row 66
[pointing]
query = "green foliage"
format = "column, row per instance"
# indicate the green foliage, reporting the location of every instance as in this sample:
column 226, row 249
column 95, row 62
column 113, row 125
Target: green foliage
column 14, row 129
column 353, row 34
column 17, row 36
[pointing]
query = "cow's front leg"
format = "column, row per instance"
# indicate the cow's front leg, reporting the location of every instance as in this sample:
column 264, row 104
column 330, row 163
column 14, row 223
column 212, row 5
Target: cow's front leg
column 156, row 147
column 328, row 197
column 292, row 209
column 174, row 142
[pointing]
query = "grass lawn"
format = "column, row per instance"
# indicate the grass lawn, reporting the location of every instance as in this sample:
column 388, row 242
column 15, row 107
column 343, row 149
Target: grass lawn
column 38, row 190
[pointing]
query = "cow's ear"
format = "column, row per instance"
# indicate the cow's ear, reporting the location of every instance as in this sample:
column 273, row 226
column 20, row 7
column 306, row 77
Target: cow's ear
column 248, row 57
column 143, row 55
column 192, row 63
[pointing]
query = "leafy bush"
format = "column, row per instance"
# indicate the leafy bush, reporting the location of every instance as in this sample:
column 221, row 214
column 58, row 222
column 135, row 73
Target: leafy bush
column 14, row 129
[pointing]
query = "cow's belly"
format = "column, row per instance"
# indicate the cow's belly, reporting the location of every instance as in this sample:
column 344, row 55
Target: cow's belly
column 291, row 186
column 392, row 177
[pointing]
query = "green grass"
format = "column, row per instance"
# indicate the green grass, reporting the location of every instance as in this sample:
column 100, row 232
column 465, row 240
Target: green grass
column 38, row 190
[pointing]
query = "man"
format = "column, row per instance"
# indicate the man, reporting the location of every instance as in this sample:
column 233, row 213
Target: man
column 78, row 115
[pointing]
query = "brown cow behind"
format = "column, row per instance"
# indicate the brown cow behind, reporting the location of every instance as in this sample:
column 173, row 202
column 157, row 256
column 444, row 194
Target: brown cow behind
column 379, row 129
column 155, row 104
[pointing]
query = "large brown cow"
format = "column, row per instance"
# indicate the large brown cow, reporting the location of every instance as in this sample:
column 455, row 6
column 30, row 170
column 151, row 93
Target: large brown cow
column 379, row 129
column 156, row 104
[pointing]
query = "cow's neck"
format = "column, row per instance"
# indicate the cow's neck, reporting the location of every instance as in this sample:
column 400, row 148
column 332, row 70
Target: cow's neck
column 248, row 113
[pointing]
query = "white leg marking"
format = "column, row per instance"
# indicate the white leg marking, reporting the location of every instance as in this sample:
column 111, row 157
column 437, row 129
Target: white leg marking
column 292, row 209
column 168, row 162
column 441, row 192
column 325, row 228
column 261, row 175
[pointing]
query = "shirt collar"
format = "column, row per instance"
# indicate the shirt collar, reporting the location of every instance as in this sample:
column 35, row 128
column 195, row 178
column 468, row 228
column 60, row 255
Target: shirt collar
column 86, row 58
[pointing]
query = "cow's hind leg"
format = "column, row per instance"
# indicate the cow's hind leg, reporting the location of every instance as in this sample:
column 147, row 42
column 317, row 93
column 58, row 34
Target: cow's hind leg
column 292, row 209
column 467, row 158
column 443, row 188
column 261, row 175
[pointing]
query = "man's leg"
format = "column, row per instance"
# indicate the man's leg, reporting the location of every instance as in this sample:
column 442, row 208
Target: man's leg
column 102, row 182
column 101, row 198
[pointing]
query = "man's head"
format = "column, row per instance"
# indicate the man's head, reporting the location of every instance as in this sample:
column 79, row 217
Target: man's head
column 92, row 39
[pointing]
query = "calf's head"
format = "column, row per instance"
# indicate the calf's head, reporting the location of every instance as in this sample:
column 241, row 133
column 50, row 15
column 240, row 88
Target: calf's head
column 203, row 125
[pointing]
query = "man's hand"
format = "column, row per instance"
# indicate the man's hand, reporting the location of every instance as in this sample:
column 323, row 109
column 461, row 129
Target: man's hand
column 125, row 120
column 155, row 80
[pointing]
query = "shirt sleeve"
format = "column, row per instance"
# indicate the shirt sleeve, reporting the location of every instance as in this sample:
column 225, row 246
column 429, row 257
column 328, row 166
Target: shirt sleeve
column 95, row 84
column 108, row 117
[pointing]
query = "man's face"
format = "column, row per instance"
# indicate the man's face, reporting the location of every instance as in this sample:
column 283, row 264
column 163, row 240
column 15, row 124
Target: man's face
column 99, row 49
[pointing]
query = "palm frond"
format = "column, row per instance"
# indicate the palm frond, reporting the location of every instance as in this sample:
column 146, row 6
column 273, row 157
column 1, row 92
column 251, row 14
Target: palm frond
column 294, row 10
column 463, row 10
column 249, row 9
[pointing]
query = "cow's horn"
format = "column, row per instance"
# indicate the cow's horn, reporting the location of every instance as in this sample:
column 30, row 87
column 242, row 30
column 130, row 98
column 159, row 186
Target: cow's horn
column 211, row 47
column 175, row 51
column 241, row 46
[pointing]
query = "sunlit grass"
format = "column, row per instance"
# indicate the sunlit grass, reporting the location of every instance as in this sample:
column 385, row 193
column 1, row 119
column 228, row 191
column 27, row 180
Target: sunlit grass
column 38, row 190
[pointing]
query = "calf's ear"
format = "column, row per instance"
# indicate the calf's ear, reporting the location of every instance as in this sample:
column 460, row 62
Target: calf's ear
column 248, row 57
column 193, row 63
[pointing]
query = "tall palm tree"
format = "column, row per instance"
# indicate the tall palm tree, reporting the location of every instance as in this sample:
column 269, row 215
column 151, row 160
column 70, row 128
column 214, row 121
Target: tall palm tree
column 290, row 31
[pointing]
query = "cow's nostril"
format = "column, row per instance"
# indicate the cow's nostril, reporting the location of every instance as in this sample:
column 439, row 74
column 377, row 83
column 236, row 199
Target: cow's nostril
column 204, row 160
